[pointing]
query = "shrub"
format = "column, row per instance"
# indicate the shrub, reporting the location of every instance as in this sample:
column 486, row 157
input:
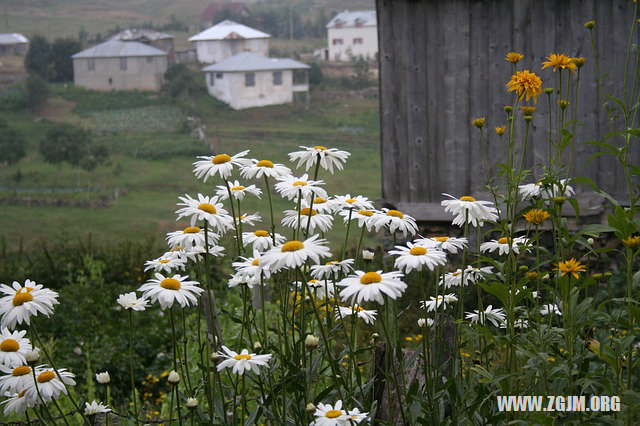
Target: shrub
column 37, row 92
column 60, row 59
column 180, row 79
column 36, row 61
column 66, row 143
column 12, row 148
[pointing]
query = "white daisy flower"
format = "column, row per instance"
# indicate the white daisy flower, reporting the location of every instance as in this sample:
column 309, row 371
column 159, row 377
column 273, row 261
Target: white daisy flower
column 166, row 264
column 221, row 164
column 327, row 270
column 50, row 384
column 497, row 316
column 95, row 408
column 252, row 266
column 13, row 347
column 425, row 322
column 323, row 205
column 17, row 403
column 290, row 186
column 369, row 316
column 519, row 323
column 329, row 157
column 249, row 219
column 364, row 217
column 249, row 280
column 448, row 244
column 310, row 218
column 20, row 303
column 131, row 301
column 261, row 239
column 241, row 362
column 433, row 303
column 550, row 308
column 320, row 288
column 504, row 245
column 166, row 290
column 237, row 191
column 561, row 189
column 357, row 202
column 395, row 220
column 293, row 254
column 195, row 252
column 328, row 415
column 205, row 208
column 189, row 237
column 416, row 257
column 530, row 190
column 257, row 169
column 372, row 286
column 16, row 379
column 478, row 211
column 356, row 416
column 471, row 275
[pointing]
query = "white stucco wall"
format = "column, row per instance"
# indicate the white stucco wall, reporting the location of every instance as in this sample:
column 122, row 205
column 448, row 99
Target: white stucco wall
column 107, row 75
column 232, row 90
column 367, row 49
column 212, row 51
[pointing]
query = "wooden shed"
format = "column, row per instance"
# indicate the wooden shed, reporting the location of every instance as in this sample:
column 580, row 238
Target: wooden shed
column 442, row 65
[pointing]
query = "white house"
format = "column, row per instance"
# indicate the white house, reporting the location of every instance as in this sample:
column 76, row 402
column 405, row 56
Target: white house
column 13, row 44
column 228, row 38
column 120, row 65
column 353, row 34
column 251, row 80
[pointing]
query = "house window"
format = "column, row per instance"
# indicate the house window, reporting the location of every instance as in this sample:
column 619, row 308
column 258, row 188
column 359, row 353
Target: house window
column 249, row 79
column 123, row 64
column 212, row 80
column 277, row 78
column 219, row 75
column 337, row 41
column 357, row 40
column 91, row 64
column 110, row 81
column 149, row 59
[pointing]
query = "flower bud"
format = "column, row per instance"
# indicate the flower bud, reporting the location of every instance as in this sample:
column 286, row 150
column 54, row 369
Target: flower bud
column 422, row 322
column 508, row 109
column 192, row 403
column 523, row 268
column 559, row 200
column 367, row 255
column 532, row 276
column 257, row 346
column 579, row 61
column 311, row 342
column 215, row 357
column 478, row 122
column 103, row 378
column 527, row 109
column 311, row 408
column 597, row 277
column 546, row 277
column 500, row 130
column 589, row 25
column 563, row 103
column 33, row 356
column 548, row 90
column 528, row 118
column 174, row 378
column 608, row 275
column 590, row 241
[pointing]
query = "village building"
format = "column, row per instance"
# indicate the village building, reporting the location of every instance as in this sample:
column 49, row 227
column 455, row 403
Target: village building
column 251, row 80
column 119, row 65
column 13, row 44
column 228, row 38
column 352, row 34
column 159, row 40
column 217, row 12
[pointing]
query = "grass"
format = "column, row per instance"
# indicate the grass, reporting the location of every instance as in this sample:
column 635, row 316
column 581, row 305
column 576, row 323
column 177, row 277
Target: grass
column 152, row 167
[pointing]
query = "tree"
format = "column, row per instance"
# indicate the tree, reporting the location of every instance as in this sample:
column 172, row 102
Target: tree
column 37, row 92
column 65, row 144
column 315, row 74
column 180, row 79
column 36, row 60
column 60, row 59
column 12, row 147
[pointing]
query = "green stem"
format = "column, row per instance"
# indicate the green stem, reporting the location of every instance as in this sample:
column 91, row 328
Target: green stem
column 131, row 372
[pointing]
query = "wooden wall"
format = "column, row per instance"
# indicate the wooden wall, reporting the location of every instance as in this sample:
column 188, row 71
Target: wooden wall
column 442, row 65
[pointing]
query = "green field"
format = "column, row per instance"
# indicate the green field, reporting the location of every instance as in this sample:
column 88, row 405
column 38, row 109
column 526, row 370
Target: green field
column 150, row 167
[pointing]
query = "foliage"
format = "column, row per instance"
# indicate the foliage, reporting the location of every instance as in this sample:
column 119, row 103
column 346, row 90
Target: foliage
column 181, row 80
column 37, row 92
column 36, row 61
column 315, row 74
column 12, row 147
column 72, row 145
column 60, row 59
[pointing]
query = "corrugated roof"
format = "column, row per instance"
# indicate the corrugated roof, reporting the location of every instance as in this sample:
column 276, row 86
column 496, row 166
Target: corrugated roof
column 365, row 18
column 137, row 34
column 228, row 30
column 13, row 38
column 253, row 62
column 119, row 49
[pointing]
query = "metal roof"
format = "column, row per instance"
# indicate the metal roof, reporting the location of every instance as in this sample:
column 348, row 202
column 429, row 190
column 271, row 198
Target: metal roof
column 253, row 62
column 365, row 18
column 119, row 49
column 137, row 34
column 228, row 30
column 13, row 38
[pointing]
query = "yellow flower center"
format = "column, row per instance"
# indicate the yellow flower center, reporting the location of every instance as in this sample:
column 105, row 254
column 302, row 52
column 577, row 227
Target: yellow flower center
column 242, row 356
column 370, row 278
column 299, row 183
column 320, row 148
column 418, row 251
column 265, row 163
column 46, row 376
column 23, row 370
column 164, row 261
column 351, row 200
column 9, row 345
column 456, row 273
column 367, row 213
column 313, row 281
column 255, row 262
column 170, row 284
column 503, row 240
column 22, row 297
column 319, row 200
column 331, row 262
column 294, row 245
column 191, row 230
column 21, row 394
column 209, row 208
column 332, row 414
column 467, row 198
column 237, row 188
column 357, row 308
column 261, row 233
column 307, row 212
column 221, row 159
column 441, row 239
column 395, row 213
